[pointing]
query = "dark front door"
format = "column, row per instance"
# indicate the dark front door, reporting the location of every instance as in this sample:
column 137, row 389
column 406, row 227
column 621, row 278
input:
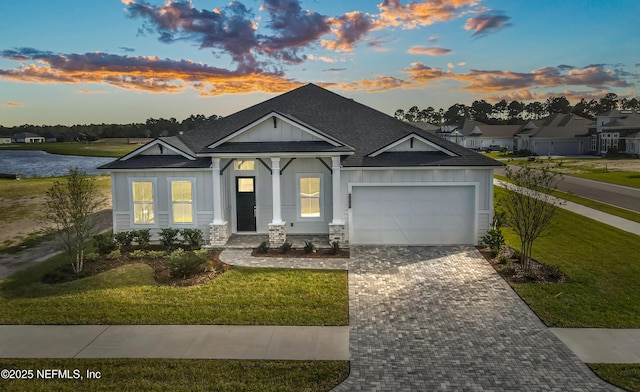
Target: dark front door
column 246, row 203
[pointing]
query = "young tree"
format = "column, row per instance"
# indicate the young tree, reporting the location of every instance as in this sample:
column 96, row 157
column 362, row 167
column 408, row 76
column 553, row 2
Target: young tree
column 68, row 208
column 529, row 208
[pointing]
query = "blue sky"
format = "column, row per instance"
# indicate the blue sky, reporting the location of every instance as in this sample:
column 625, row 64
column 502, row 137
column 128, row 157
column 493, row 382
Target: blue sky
column 120, row 61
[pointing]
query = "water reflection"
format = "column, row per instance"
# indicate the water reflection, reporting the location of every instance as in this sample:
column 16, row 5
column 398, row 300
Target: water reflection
column 43, row 164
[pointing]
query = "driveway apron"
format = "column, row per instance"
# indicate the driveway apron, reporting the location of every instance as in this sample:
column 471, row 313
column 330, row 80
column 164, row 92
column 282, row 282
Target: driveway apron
column 441, row 319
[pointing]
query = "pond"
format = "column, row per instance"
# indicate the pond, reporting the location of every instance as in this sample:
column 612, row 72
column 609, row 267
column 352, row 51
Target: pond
column 43, row 164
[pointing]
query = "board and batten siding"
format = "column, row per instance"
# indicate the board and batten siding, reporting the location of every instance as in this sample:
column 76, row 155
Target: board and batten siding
column 282, row 132
column 122, row 200
column 483, row 177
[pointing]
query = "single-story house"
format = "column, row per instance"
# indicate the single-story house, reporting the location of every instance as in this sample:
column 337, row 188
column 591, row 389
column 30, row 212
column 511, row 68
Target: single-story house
column 5, row 140
column 308, row 161
column 478, row 136
column 617, row 129
column 27, row 137
column 557, row 134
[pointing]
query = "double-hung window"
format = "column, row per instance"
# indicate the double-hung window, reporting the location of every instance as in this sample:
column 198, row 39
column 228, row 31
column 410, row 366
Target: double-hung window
column 143, row 202
column 309, row 194
column 182, row 201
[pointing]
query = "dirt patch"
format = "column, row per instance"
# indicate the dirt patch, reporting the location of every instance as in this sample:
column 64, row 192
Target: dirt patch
column 207, row 271
column 300, row 253
column 507, row 264
column 590, row 165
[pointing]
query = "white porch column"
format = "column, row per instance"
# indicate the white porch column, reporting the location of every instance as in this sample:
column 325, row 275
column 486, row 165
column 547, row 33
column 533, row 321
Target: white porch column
column 217, row 192
column 335, row 182
column 275, row 183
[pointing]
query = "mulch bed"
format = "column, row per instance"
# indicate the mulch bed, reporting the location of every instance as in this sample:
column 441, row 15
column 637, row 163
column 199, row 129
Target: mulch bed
column 207, row 271
column 508, row 266
column 300, row 253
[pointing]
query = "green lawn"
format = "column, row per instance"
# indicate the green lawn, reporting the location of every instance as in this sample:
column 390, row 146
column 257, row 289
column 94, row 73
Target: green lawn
column 241, row 296
column 181, row 375
column 94, row 149
column 603, row 269
column 631, row 179
column 625, row 376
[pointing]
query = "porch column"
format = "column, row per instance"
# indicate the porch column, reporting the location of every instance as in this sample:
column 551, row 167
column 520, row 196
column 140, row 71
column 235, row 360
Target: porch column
column 337, row 226
column 219, row 228
column 277, row 228
column 275, row 183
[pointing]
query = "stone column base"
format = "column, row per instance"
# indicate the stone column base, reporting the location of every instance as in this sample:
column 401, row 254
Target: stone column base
column 337, row 233
column 219, row 233
column 277, row 234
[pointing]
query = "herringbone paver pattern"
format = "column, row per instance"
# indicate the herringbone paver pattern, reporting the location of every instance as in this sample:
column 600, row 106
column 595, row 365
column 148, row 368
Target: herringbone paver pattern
column 441, row 319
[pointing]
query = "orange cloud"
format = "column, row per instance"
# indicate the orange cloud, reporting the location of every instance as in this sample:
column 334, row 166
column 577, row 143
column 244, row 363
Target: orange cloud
column 378, row 84
column 11, row 104
column 420, row 13
column 433, row 51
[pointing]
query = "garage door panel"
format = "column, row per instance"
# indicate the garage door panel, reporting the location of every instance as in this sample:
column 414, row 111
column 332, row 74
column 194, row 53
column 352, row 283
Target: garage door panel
column 426, row 215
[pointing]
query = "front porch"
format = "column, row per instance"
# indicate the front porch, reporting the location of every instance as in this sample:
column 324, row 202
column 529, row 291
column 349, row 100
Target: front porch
column 251, row 241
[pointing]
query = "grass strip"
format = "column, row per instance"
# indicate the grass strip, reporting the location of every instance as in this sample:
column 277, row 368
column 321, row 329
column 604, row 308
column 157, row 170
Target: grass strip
column 625, row 376
column 180, row 375
column 240, row 296
column 601, row 263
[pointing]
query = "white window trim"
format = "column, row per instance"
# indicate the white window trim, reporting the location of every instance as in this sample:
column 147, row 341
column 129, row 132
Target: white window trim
column 192, row 180
column 299, row 216
column 154, row 193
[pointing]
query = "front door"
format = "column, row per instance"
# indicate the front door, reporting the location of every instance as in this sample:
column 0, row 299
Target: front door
column 246, row 203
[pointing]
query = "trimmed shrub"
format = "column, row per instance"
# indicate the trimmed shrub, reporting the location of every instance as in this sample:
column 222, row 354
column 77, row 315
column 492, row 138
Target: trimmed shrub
column 114, row 255
column 155, row 254
column 494, row 240
column 124, row 239
column 169, row 237
column 93, row 256
column 193, row 237
column 104, row 243
column 142, row 237
column 138, row 254
column 202, row 253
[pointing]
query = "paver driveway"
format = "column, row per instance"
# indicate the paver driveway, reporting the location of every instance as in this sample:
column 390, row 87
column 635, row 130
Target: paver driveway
column 441, row 319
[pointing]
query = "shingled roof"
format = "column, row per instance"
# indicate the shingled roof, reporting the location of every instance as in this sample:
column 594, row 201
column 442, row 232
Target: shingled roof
column 361, row 130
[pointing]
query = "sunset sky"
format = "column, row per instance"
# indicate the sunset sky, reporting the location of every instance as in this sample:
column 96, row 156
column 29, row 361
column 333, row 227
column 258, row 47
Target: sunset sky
column 121, row 61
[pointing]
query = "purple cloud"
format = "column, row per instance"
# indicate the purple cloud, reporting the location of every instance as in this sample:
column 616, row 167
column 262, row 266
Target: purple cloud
column 487, row 22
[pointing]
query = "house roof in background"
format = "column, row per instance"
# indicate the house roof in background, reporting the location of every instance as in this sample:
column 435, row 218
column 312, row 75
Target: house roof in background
column 477, row 128
column 557, row 125
column 624, row 119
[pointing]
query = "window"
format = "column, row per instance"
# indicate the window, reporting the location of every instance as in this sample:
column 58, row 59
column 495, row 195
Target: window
column 240, row 165
column 143, row 208
column 309, row 197
column 182, row 201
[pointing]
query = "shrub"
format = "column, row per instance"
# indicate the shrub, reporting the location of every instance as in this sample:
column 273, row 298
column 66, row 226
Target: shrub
column 308, row 247
column 104, row 243
column 183, row 264
column 193, row 237
column 142, row 237
column 263, row 247
column 124, row 239
column 155, row 254
column 169, row 237
column 335, row 247
column 286, row 247
column 494, row 239
column 202, row 253
column 114, row 255
column 138, row 254
column 93, row 256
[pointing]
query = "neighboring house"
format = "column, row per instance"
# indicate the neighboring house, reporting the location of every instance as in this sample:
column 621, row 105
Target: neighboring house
column 557, row 134
column 618, row 129
column 307, row 162
column 5, row 140
column 27, row 137
column 478, row 136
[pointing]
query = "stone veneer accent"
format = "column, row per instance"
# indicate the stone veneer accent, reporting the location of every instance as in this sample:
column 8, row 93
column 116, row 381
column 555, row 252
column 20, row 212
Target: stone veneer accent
column 336, row 233
column 277, row 234
column 219, row 233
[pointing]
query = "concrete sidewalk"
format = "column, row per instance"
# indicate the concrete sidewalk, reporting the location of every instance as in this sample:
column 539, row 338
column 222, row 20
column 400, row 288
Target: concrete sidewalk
column 174, row 341
column 594, row 345
column 608, row 219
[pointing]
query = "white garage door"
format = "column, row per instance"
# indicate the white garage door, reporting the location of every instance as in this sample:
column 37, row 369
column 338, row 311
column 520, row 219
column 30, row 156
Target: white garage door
column 412, row 215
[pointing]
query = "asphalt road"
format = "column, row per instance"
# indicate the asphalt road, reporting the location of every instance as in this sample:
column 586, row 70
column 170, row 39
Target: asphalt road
column 616, row 195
